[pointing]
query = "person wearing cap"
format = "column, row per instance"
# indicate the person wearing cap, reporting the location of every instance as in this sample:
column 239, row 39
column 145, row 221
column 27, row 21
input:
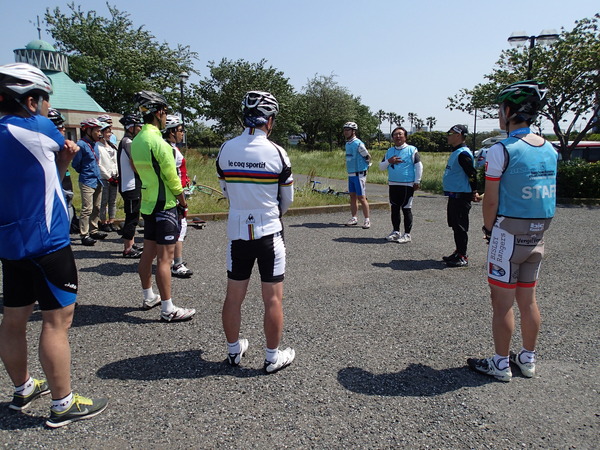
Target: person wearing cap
column 518, row 207
column 404, row 167
column 255, row 174
column 460, row 186
column 358, row 161
column 38, row 265
column 129, row 186
column 90, row 182
column 163, row 205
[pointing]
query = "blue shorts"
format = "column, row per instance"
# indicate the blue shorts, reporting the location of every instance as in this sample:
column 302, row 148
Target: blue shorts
column 357, row 184
column 51, row 280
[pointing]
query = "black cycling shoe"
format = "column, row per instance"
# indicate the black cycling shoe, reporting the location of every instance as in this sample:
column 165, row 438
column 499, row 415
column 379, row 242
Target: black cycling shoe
column 88, row 241
column 105, row 227
column 451, row 257
column 98, row 235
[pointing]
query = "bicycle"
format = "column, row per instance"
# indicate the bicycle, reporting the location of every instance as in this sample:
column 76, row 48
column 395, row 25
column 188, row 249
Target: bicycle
column 328, row 190
column 208, row 190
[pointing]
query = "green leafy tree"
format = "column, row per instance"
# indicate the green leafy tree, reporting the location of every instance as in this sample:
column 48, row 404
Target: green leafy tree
column 412, row 118
column 430, row 121
column 201, row 135
column 115, row 59
column 222, row 91
column 381, row 115
column 570, row 67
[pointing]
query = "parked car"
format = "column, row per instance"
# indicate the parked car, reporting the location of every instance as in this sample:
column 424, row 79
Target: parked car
column 482, row 152
column 587, row 150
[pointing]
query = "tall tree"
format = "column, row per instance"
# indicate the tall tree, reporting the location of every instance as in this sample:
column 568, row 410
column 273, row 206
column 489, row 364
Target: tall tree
column 412, row 118
column 222, row 91
column 115, row 59
column 570, row 69
column 399, row 120
column 431, row 121
column 381, row 115
column 391, row 117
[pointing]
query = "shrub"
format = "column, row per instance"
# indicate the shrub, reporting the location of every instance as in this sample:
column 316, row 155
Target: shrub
column 578, row 179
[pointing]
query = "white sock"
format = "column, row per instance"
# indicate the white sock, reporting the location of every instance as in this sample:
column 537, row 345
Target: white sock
column 501, row 361
column 271, row 355
column 166, row 306
column 26, row 388
column 62, row 404
column 526, row 356
column 233, row 348
column 148, row 293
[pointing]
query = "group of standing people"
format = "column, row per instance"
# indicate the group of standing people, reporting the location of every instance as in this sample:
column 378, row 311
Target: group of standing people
column 255, row 175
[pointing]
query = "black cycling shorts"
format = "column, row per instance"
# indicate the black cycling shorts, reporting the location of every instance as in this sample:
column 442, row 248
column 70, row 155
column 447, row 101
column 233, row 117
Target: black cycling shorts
column 269, row 251
column 163, row 227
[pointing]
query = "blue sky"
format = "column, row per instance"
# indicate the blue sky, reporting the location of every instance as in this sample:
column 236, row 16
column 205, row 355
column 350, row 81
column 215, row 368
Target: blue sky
column 396, row 55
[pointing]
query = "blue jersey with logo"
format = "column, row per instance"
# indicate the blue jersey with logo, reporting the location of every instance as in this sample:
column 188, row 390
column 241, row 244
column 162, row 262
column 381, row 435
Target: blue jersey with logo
column 403, row 172
column 528, row 184
column 355, row 162
column 33, row 212
column 455, row 179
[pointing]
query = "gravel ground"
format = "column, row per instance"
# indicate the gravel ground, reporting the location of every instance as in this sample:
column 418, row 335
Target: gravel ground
column 381, row 332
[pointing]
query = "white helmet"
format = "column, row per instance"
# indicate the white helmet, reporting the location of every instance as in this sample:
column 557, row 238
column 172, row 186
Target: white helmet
column 18, row 79
column 259, row 104
column 173, row 121
column 351, row 125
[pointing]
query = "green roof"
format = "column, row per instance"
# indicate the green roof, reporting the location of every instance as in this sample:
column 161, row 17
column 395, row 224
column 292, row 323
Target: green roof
column 69, row 95
column 40, row 45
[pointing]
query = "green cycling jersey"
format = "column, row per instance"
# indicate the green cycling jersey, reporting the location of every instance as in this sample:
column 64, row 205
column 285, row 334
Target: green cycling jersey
column 155, row 164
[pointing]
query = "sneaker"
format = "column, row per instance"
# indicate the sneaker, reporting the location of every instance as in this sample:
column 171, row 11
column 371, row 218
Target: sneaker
column 98, row 235
column 450, row 257
column 284, row 359
column 81, row 408
column 487, row 367
column 527, row 369
column 404, row 239
column 180, row 271
column 88, row 241
column 460, row 261
column 352, row 222
column 139, row 248
column 151, row 303
column 20, row 402
column 234, row 359
column 132, row 253
column 367, row 224
column 177, row 315
column 394, row 236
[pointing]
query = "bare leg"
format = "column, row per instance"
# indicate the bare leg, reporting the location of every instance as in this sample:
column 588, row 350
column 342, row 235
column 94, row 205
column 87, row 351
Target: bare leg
column 145, row 265
column 232, row 308
column 272, row 294
column 364, row 205
column 55, row 353
column 503, row 320
column 178, row 250
column 530, row 316
column 164, row 258
column 13, row 343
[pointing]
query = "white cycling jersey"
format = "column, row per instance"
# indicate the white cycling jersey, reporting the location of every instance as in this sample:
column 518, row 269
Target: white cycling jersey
column 256, row 176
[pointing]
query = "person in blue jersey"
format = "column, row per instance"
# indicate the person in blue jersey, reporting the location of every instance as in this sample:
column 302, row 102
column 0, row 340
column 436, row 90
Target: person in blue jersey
column 358, row 161
column 256, row 176
column 460, row 186
column 35, row 251
column 404, row 167
column 518, row 206
column 86, row 163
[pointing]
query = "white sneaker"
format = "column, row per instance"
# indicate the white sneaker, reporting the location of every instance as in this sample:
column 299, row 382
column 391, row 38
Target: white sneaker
column 180, row 271
column 404, row 239
column 235, row 358
column 367, row 224
column 394, row 236
column 284, row 359
column 488, row 367
column 527, row 368
column 177, row 315
column 352, row 222
column 151, row 303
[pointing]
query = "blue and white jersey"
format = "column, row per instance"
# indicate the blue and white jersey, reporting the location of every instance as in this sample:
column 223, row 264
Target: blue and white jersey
column 356, row 156
column 455, row 179
column 33, row 212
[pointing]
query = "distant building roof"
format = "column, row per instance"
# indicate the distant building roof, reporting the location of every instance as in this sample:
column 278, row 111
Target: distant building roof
column 70, row 95
column 40, row 45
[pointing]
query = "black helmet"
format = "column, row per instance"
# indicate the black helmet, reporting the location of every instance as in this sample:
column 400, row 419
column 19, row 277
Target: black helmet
column 130, row 120
column 525, row 98
column 56, row 117
column 148, row 102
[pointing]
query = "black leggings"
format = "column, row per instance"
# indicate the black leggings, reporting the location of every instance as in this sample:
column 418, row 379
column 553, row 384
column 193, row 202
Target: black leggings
column 401, row 197
column 132, row 203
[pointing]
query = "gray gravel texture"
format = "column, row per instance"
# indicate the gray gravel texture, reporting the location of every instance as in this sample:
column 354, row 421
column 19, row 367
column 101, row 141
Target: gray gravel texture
column 381, row 332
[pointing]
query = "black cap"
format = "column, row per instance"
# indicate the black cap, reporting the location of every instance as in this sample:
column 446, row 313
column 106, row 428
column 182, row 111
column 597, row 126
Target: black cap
column 461, row 129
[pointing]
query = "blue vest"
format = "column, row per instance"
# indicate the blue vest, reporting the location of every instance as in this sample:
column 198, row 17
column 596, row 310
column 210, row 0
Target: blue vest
column 403, row 172
column 355, row 162
column 455, row 179
column 528, row 184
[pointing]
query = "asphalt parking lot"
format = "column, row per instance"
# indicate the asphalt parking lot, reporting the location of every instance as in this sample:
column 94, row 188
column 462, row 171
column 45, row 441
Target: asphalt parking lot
column 381, row 332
